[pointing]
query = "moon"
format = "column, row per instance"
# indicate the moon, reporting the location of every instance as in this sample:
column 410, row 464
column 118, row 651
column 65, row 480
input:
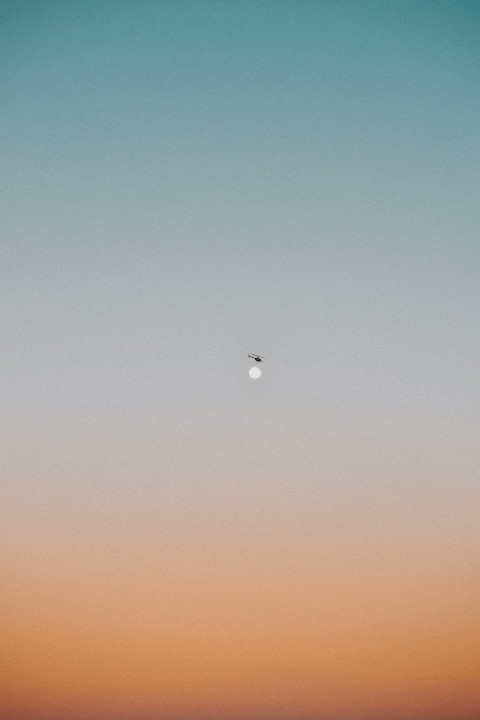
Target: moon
column 254, row 373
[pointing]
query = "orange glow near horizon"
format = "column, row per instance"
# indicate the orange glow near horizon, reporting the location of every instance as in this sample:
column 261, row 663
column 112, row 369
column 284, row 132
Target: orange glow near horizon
column 264, row 625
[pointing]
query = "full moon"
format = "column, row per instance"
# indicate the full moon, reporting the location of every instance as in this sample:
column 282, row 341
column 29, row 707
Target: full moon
column 255, row 373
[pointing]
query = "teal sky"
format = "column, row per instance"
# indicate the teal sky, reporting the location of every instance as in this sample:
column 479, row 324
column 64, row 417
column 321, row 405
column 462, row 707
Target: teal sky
column 185, row 182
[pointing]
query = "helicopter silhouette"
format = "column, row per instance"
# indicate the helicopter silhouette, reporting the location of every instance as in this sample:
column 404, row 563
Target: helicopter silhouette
column 257, row 358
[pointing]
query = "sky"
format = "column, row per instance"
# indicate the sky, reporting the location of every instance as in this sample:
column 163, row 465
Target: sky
column 183, row 183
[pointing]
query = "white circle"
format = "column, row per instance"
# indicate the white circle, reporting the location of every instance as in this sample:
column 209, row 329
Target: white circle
column 255, row 373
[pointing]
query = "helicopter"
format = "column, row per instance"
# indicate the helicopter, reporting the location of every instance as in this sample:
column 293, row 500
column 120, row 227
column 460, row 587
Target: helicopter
column 257, row 358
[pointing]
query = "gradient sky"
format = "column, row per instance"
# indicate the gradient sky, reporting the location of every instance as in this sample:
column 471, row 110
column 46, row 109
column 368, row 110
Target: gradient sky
column 185, row 182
